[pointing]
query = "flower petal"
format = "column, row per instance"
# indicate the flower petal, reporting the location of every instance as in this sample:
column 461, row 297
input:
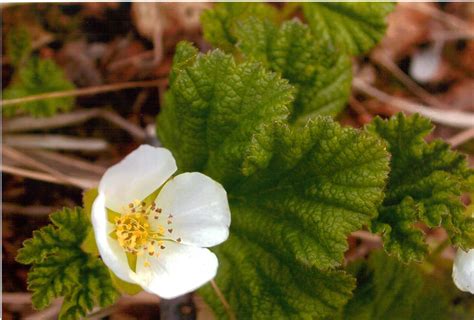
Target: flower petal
column 178, row 270
column 136, row 176
column 463, row 270
column 112, row 254
column 200, row 210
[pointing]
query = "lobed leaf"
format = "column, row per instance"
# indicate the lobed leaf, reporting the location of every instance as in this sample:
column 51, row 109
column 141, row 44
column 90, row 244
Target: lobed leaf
column 295, row 192
column 321, row 75
column 353, row 28
column 389, row 289
column 61, row 268
column 219, row 23
column 216, row 105
column 35, row 77
column 425, row 184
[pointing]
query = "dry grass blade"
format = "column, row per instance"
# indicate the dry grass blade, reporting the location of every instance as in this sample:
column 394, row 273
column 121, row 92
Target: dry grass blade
column 461, row 137
column 56, row 142
column 30, row 123
column 25, row 160
column 456, row 119
column 46, row 314
column 12, row 208
column 448, row 19
column 76, row 182
column 72, row 118
column 68, row 161
column 223, row 300
column 84, row 91
column 135, row 131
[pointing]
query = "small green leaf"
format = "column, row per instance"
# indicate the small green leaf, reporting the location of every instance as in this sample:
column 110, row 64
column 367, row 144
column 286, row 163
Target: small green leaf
column 426, row 182
column 219, row 23
column 353, row 28
column 95, row 288
column 36, row 77
column 61, row 268
column 389, row 289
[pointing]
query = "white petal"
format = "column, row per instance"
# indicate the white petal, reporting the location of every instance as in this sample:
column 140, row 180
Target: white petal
column 111, row 252
column 136, row 176
column 463, row 270
column 201, row 214
column 178, row 270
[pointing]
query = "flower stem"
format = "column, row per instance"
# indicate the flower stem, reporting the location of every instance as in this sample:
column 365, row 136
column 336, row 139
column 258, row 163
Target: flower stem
column 223, row 300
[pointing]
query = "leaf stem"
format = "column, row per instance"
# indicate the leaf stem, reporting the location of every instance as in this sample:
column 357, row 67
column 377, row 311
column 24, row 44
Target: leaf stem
column 223, row 300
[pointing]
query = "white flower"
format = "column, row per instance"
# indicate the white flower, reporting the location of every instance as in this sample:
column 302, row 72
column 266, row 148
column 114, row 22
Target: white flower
column 159, row 244
column 463, row 270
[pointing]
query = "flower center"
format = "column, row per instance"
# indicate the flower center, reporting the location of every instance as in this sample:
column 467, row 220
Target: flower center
column 132, row 231
column 136, row 235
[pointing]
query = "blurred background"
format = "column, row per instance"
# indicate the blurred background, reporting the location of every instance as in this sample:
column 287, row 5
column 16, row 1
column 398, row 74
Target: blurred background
column 116, row 58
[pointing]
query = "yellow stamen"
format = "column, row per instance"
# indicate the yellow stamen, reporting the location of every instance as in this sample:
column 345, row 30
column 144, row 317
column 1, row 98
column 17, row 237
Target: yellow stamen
column 135, row 234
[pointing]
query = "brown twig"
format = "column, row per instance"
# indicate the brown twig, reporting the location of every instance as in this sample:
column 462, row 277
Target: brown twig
column 223, row 300
column 139, row 101
column 449, row 19
column 411, row 85
column 456, row 119
column 135, row 131
column 16, row 298
column 452, row 35
column 84, row 91
column 12, row 208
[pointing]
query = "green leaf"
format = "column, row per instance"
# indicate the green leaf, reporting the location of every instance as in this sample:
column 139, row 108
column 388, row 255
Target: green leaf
column 295, row 193
column 321, row 76
column 37, row 77
column 425, row 184
column 18, row 45
column 389, row 289
column 215, row 104
column 260, row 284
column 61, row 268
column 353, row 28
column 220, row 22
